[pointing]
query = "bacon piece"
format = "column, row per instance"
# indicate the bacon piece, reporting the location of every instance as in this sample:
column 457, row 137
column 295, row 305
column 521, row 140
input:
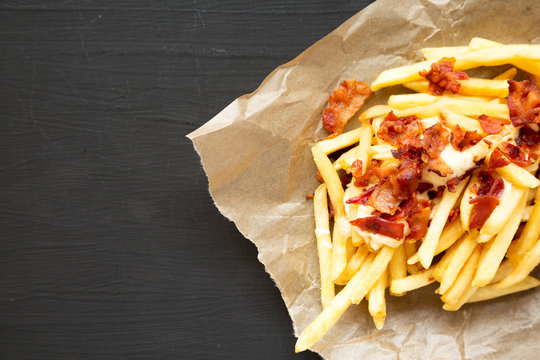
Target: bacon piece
column 451, row 184
column 434, row 194
column 401, row 131
column 418, row 224
column 491, row 125
column 497, row 159
column 378, row 225
column 362, row 198
column 442, row 76
column 408, row 174
column 487, row 199
column 483, row 207
column 489, row 185
column 384, row 198
column 528, row 137
column 345, row 101
column 416, row 214
column 373, row 172
column 438, row 166
column 424, row 186
column 454, row 213
column 462, row 140
column 524, row 102
column 435, row 139
column 515, row 154
column 397, row 185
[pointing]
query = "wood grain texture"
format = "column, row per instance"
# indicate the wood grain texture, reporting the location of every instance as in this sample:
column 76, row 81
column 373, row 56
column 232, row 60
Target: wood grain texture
column 111, row 247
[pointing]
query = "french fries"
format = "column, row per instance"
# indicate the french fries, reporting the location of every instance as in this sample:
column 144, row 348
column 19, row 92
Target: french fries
column 387, row 232
column 324, row 243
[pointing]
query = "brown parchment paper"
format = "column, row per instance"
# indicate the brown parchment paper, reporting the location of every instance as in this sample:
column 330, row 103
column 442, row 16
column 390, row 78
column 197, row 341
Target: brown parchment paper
column 256, row 153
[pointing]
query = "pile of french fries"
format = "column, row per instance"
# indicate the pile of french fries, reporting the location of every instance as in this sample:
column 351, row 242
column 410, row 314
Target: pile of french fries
column 475, row 264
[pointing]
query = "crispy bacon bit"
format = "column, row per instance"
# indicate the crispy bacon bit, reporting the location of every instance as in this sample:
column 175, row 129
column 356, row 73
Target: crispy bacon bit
column 309, row 196
column 454, row 213
column 345, row 101
column 442, row 76
column 408, row 174
column 356, row 168
column 434, row 194
column 435, row 139
column 524, row 102
column 489, row 185
column 362, row 198
column 491, row 125
column 417, row 215
column 462, row 140
column 418, row 224
column 487, row 199
column 396, row 184
column 515, row 154
column 424, row 186
column 384, row 198
column 497, row 159
column 528, row 137
column 483, row 207
column 438, row 165
column 403, row 131
column 374, row 172
column 319, row 177
column 377, row 225
column 451, row 184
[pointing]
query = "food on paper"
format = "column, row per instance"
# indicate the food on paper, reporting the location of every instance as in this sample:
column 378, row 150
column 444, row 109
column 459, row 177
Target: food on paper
column 440, row 185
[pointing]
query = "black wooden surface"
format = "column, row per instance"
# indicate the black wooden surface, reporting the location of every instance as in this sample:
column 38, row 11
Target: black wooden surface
column 110, row 246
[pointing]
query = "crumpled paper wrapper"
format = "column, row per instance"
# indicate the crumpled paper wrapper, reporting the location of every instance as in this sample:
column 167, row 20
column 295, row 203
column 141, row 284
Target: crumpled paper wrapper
column 256, row 153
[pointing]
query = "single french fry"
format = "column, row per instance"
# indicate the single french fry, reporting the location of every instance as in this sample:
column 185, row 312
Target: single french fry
column 377, row 303
column 463, row 279
column 463, row 107
column 373, row 112
column 362, row 153
column 476, row 89
column 450, row 234
column 336, row 193
column 492, row 291
column 505, row 210
column 410, row 250
column 497, row 55
column 324, row 243
column 398, row 267
column 347, row 158
column 438, row 53
column 465, row 207
column 530, row 234
column 328, row 146
column 413, row 282
column 477, row 43
column 407, row 101
column 496, row 249
column 463, row 252
column 353, row 265
column 523, row 267
column 429, row 244
column 507, row 75
column 353, row 292
column 453, row 119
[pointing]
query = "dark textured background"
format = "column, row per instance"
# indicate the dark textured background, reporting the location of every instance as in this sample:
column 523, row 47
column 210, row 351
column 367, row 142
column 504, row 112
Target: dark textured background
column 111, row 247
